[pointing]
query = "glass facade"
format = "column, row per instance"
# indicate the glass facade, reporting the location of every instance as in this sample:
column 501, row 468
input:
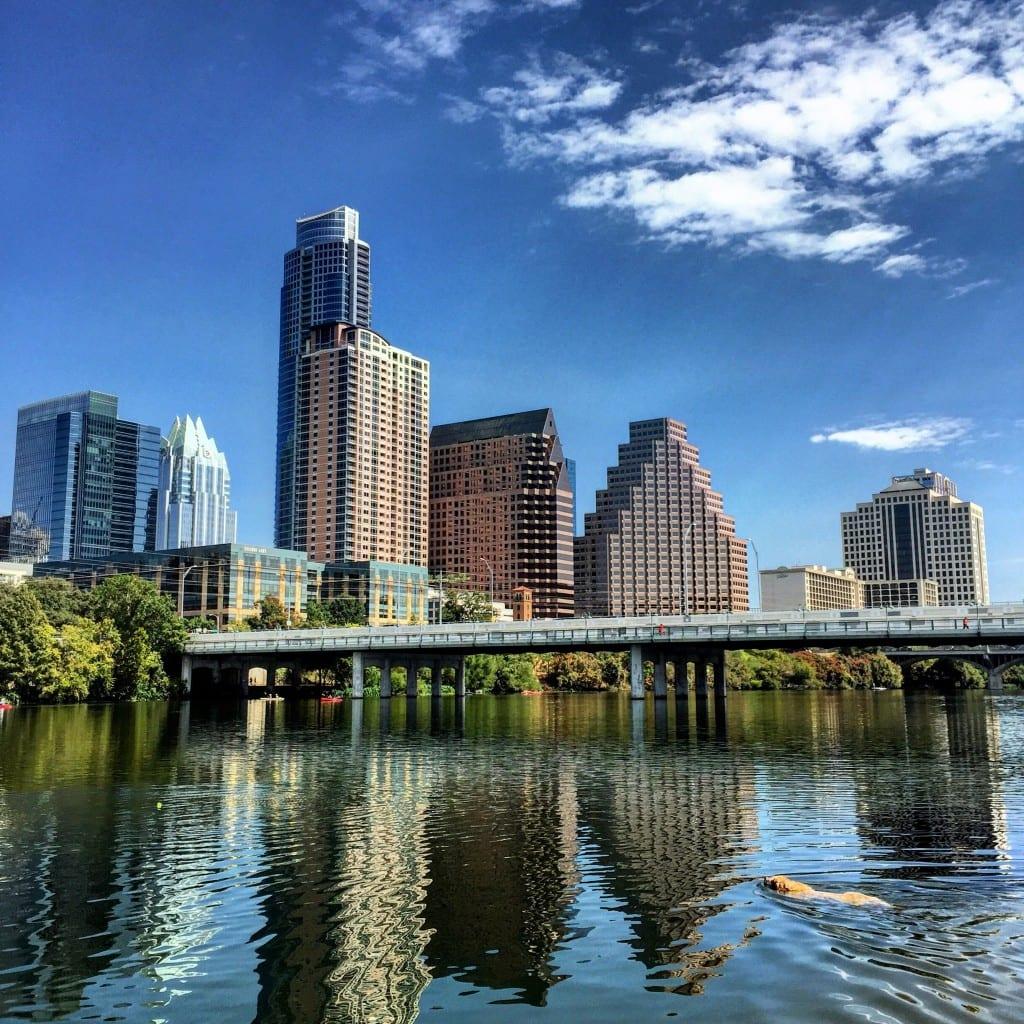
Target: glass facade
column 84, row 481
column 391, row 592
column 223, row 582
column 326, row 279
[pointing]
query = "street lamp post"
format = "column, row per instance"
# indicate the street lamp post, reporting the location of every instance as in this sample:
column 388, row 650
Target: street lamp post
column 685, row 596
column 757, row 569
column 490, row 569
column 182, row 576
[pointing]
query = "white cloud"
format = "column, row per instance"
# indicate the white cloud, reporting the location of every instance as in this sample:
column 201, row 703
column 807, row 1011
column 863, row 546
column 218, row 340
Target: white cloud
column 402, row 37
column 986, row 466
column 904, row 263
column 970, row 286
column 795, row 143
column 900, row 435
column 538, row 95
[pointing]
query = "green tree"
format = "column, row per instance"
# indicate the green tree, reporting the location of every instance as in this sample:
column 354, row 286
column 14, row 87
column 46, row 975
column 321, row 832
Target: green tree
column 270, row 614
column 61, row 602
column 464, row 605
column 84, row 665
column 150, row 635
column 514, row 673
column 27, row 655
column 340, row 611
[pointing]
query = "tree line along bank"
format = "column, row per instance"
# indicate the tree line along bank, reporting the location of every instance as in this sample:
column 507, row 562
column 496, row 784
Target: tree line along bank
column 122, row 641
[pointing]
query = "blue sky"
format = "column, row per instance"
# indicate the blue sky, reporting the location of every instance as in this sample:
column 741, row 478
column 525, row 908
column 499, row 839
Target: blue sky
column 797, row 228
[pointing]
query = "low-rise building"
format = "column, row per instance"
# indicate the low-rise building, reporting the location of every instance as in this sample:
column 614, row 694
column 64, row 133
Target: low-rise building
column 14, row 572
column 900, row 593
column 812, row 588
column 223, row 582
column 393, row 593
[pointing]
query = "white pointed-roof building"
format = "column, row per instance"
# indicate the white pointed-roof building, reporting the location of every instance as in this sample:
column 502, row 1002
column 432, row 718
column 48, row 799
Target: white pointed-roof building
column 195, row 490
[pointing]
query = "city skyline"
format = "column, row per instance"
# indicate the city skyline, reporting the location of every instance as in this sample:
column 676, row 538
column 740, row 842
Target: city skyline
column 808, row 378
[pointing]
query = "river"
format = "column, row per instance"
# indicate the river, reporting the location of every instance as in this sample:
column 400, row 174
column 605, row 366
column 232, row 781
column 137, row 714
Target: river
column 553, row 858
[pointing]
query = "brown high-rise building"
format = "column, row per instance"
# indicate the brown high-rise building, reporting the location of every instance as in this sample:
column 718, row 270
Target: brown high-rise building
column 659, row 542
column 361, row 455
column 501, row 503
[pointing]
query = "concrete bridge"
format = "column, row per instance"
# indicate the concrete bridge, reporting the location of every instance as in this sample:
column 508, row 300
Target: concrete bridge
column 698, row 640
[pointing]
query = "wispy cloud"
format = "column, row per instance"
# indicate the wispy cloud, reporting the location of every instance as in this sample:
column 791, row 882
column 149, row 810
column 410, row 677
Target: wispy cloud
column 794, row 145
column 987, row 466
column 561, row 85
column 395, row 39
column 970, row 286
column 900, row 435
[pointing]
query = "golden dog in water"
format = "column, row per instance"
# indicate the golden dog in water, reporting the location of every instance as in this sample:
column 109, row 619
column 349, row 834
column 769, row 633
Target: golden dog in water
column 788, row 887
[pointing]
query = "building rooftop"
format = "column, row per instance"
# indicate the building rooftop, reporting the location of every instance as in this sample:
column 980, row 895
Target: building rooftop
column 533, row 422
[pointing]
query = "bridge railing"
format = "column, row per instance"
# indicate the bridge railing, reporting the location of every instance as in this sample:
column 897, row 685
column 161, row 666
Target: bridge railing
column 872, row 627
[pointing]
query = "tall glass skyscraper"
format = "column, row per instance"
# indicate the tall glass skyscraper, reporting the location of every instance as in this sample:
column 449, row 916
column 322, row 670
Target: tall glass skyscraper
column 84, row 481
column 195, row 489
column 326, row 280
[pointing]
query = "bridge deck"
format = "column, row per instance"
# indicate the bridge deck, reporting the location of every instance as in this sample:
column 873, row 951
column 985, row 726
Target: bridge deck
column 905, row 627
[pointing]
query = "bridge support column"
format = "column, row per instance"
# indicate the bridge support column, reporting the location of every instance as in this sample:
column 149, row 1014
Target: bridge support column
column 700, row 676
column 435, row 678
column 636, row 672
column 411, row 678
column 385, row 678
column 186, row 674
column 719, row 669
column 995, row 681
column 460, row 677
column 682, row 680
column 660, row 676
column 358, row 675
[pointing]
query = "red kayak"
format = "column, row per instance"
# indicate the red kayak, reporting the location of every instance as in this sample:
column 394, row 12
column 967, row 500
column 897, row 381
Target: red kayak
column 6, row 707
column 331, row 700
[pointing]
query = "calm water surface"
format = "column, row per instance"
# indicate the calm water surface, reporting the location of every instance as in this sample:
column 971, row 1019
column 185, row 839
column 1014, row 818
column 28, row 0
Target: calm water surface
column 559, row 858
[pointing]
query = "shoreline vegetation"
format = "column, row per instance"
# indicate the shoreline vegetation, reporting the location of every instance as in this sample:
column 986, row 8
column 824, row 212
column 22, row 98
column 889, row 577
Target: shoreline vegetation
column 123, row 640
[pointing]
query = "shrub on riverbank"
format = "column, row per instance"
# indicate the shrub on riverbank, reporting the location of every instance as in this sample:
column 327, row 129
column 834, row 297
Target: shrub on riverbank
column 58, row 645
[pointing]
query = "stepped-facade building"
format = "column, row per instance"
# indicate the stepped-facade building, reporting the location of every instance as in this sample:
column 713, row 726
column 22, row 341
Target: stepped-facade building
column 659, row 541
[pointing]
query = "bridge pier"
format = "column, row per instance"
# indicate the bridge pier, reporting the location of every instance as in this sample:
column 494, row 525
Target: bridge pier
column 660, row 675
column 186, row 674
column 385, row 678
column 995, row 680
column 358, row 674
column 460, row 677
column 636, row 672
column 435, row 678
column 719, row 672
column 412, row 668
column 700, row 676
column 682, row 680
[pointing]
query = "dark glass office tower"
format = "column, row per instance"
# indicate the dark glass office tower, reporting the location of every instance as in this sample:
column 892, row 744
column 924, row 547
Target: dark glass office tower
column 135, row 486
column 84, row 481
column 326, row 280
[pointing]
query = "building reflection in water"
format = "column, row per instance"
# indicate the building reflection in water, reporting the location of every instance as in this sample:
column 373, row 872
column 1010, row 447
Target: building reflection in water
column 334, row 860
column 941, row 803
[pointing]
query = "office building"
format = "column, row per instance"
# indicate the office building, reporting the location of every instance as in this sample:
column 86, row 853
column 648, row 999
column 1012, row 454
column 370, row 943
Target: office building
column 390, row 592
column 85, row 482
column 501, row 509
column 900, row 593
column 918, row 528
column 812, row 588
column 361, row 449
column 13, row 573
column 326, row 280
column 223, row 582
column 659, row 541
column 5, row 536
column 570, row 469
column 194, row 503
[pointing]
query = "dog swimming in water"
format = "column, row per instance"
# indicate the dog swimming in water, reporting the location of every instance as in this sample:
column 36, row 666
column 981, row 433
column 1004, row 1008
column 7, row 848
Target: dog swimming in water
column 798, row 890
